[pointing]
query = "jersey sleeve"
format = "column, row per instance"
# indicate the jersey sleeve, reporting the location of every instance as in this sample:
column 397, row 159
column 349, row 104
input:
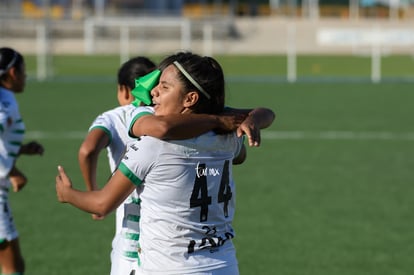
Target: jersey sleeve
column 136, row 114
column 139, row 159
column 105, row 123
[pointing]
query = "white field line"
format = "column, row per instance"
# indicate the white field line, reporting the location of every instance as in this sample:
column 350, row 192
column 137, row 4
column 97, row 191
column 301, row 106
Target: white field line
column 56, row 135
column 266, row 134
column 337, row 135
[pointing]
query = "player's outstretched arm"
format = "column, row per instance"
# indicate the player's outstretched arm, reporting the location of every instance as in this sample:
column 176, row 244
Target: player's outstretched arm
column 183, row 126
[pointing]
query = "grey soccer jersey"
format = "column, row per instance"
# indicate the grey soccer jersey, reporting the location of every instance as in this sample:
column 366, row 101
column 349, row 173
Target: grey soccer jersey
column 12, row 133
column 115, row 123
column 187, row 203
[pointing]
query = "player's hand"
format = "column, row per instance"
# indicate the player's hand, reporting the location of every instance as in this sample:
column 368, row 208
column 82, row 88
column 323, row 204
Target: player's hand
column 31, row 148
column 17, row 179
column 63, row 184
column 249, row 128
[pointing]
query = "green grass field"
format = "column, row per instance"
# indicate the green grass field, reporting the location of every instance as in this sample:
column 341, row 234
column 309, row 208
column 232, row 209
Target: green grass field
column 330, row 191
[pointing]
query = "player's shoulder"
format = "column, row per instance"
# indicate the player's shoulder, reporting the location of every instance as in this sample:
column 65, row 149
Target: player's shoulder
column 141, row 109
column 7, row 97
column 119, row 111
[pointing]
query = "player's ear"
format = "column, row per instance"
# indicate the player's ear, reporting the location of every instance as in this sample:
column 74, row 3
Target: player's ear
column 190, row 99
column 124, row 91
column 11, row 73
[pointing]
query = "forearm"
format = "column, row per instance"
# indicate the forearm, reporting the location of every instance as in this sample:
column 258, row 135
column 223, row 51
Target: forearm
column 88, row 165
column 180, row 126
column 100, row 202
column 88, row 156
column 90, row 202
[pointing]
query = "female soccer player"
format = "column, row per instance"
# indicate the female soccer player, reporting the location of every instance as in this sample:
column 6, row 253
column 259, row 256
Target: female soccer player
column 186, row 186
column 12, row 128
column 110, row 130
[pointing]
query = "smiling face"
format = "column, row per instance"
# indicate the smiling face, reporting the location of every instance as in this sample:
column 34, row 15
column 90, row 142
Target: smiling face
column 169, row 96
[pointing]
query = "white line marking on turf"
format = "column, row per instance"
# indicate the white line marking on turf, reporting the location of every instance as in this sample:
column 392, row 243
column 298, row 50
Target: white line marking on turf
column 56, row 135
column 337, row 135
column 266, row 134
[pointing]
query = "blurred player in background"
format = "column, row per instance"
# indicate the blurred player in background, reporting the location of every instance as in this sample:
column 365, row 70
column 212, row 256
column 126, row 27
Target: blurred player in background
column 110, row 131
column 12, row 129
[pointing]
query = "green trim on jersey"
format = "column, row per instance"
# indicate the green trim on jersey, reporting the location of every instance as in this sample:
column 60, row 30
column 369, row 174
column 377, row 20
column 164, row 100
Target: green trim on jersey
column 128, row 173
column 1, row 128
column 105, row 130
column 133, row 218
column 136, row 200
column 141, row 114
column 19, row 131
column 132, row 236
column 131, row 254
column 17, row 143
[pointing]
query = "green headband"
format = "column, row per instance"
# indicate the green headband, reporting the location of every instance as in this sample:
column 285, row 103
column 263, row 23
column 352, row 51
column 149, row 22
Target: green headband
column 143, row 87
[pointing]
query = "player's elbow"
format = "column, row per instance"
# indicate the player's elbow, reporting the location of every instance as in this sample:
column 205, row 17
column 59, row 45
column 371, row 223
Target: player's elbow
column 102, row 208
column 86, row 153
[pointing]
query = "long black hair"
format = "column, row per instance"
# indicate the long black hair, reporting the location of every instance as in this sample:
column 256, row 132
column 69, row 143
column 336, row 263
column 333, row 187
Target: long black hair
column 9, row 58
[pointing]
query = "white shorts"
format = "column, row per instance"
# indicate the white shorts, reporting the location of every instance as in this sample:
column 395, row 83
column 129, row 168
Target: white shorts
column 123, row 266
column 8, row 230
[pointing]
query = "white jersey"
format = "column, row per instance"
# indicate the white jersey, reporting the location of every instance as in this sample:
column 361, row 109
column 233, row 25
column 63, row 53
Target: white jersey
column 187, row 203
column 11, row 134
column 115, row 123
